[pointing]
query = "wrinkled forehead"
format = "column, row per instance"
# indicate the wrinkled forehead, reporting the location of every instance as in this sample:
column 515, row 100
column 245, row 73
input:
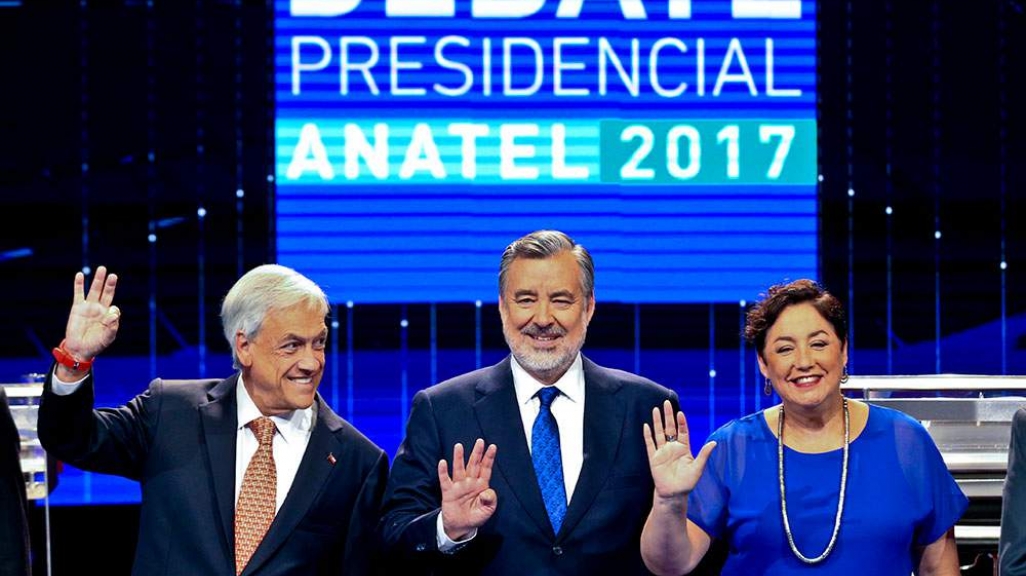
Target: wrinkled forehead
column 306, row 317
column 554, row 273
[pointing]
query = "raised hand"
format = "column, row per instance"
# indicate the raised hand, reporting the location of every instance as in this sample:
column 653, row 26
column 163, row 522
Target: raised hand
column 93, row 322
column 674, row 471
column 467, row 500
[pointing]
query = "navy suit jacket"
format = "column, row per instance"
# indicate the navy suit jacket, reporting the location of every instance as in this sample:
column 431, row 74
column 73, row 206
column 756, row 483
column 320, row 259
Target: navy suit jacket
column 178, row 440
column 1013, row 504
column 601, row 531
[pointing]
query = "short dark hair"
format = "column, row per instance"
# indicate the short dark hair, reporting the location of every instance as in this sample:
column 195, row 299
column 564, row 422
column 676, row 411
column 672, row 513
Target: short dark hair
column 543, row 244
column 763, row 315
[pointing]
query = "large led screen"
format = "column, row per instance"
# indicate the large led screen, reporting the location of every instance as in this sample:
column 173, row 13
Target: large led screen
column 676, row 139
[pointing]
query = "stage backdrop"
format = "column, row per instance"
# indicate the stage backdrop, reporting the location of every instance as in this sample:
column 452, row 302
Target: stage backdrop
column 147, row 146
column 676, row 139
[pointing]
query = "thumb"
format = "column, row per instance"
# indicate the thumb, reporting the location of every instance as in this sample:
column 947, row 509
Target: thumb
column 703, row 455
column 488, row 498
column 111, row 317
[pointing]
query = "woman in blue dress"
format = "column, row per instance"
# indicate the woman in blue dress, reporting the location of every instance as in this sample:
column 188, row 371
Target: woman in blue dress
column 819, row 484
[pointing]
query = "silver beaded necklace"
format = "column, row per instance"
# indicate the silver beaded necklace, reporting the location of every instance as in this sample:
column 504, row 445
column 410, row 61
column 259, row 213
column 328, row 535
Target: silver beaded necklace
column 840, row 499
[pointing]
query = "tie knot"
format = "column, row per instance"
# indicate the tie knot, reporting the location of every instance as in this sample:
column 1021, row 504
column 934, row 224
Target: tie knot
column 547, row 395
column 263, row 428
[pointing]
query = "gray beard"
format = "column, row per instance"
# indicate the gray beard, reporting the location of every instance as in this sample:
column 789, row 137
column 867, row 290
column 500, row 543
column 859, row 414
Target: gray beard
column 545, row 364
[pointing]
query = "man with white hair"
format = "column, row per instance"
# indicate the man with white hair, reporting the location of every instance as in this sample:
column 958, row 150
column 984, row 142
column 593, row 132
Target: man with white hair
column 252, row 474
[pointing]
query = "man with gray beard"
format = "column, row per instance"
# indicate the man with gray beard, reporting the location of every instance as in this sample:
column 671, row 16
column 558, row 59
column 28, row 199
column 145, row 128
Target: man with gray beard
column 556, row 481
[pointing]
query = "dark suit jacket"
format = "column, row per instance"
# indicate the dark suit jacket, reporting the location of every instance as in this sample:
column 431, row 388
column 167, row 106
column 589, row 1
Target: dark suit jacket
column 178, row 440
column 1013, row 504
column 14, row 530
column 602, row 528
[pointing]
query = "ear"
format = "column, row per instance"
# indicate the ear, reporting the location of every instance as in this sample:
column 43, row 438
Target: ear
column 844, row 353
column 243, row 349
column 762, row 365
column 590, row 311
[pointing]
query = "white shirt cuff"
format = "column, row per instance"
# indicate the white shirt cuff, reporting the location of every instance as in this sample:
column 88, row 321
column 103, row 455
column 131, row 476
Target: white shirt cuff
column 62, row 388
column 446, row 544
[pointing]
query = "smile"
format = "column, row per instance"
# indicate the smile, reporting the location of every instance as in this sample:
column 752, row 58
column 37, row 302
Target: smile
column 806, row 381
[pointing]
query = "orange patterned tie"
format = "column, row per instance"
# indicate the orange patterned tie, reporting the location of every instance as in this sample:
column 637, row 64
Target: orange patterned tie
column 255, row 510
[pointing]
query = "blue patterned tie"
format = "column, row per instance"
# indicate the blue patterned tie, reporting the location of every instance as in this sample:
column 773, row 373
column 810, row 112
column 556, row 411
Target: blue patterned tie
column 548, row 463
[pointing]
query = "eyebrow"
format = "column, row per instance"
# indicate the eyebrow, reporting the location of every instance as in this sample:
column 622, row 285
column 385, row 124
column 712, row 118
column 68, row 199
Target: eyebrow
column 557, row 294
column 293, row 336
column 790, row 339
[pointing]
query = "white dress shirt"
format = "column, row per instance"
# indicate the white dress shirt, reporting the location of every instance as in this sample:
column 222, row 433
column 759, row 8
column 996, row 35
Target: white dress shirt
column 567, row 409
column 290, row 440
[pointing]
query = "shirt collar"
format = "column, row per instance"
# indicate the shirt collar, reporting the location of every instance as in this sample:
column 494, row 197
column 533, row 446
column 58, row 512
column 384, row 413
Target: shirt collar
column 570, row 384
column 293, row 426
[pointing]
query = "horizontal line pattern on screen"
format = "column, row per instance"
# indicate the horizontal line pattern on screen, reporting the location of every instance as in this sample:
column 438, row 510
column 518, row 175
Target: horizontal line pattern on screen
column 432, row 150
column 588, row 222
column 314, row 94
column 359, row 51
column 703, row 12
column 426, row 79
column 322, row 246
column 686, row 165
column 635, row 208
column 788, row 58
column 474, row 108
column 505, row 28
column 318, row 192
column 613, row 285
column 357, row 257
column 482, row 264
column 438, row 239
column 338, row 57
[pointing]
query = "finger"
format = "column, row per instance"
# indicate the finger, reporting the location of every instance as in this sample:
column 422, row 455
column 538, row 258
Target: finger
column 703, row 456
column 79, row 293
column 669, row 428
column 111, row 317
column 96, row 287
column 683, row 435
column 487, row 463
column 443, row 476
column 474, row 463
column 107, row 296
column 649, row 444
column 459, row 471
column 682, row 427
column 657, row 424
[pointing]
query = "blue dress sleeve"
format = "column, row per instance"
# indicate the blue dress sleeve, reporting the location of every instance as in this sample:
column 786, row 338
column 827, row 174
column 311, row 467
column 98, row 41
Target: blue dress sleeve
column 939, row 501
column 707, row 503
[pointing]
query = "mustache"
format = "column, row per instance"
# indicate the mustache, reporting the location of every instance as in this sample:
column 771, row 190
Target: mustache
column 535, row 331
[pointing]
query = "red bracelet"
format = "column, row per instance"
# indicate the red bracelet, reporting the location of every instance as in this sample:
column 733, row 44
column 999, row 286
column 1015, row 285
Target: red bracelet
column 64, row 358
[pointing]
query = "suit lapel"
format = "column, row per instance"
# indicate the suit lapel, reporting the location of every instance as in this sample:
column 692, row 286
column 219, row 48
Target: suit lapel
column 220, row 420
column 313, row 471
column 603, row 428
column 499, row 417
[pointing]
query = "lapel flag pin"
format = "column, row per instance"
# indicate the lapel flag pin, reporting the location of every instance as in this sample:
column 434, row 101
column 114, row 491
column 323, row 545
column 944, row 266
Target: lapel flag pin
column 331, row 458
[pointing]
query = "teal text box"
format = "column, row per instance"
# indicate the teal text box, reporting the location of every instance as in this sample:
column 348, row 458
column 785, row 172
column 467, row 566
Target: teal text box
column 751, row 152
